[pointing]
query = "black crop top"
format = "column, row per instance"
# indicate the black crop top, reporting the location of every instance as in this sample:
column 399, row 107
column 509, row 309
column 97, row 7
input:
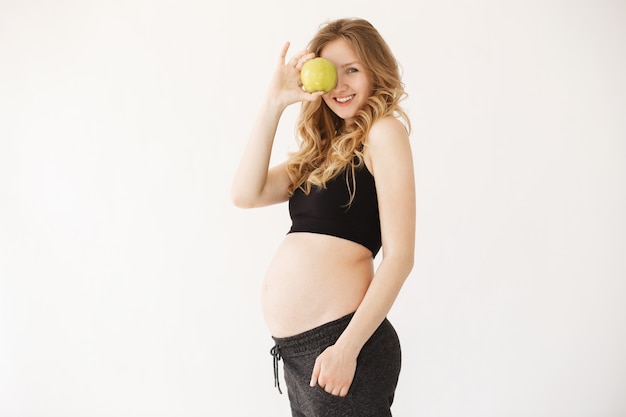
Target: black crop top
column 326, row 211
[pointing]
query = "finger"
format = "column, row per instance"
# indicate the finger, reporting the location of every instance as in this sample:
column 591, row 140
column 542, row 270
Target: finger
column 294, row 59
column 315, row 374
column 343, row 392
column 304, row 59
column 312, row 96
column 283, row 52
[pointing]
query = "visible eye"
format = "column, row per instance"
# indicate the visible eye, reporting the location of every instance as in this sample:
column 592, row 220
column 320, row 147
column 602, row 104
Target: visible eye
column 351, row 70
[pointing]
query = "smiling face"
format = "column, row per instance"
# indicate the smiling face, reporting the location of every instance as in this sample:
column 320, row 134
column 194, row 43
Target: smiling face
column 354, row 84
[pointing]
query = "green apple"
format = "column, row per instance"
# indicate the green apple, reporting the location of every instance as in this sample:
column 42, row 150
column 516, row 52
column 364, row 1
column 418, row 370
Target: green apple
column 318, row 74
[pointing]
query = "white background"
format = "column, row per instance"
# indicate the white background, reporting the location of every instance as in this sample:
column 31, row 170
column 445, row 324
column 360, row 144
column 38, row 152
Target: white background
column 129, row 284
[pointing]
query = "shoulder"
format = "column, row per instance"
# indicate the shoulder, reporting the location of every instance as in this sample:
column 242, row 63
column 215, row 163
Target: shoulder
column 387, row 138
column 387, row 135
column 387, row 128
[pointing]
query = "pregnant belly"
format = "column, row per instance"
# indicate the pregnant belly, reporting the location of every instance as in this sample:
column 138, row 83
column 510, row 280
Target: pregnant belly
column 313, row 279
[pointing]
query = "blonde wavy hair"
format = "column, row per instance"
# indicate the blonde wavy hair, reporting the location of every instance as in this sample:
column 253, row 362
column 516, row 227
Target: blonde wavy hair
column 327, row 146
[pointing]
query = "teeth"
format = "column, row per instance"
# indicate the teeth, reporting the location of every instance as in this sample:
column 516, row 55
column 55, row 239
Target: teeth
column 344, row 99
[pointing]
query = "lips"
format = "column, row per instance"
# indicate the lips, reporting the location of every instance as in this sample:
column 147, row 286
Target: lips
column 344, row 100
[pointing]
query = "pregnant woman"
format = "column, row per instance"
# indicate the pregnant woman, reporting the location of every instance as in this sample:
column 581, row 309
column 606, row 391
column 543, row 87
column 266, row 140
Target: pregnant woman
column 350, row 188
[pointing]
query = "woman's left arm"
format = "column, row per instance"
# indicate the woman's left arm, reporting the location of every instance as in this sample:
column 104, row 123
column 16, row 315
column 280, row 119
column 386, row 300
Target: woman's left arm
column 389, row 151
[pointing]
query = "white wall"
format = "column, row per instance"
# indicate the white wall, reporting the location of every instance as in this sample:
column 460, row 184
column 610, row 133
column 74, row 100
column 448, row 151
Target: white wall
column 129, row 284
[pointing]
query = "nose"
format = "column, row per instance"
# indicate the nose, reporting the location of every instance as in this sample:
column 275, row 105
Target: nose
column 341, row 84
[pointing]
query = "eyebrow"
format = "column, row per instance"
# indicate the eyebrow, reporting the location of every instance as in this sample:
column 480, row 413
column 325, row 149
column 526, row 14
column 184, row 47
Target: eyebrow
column 350, row 63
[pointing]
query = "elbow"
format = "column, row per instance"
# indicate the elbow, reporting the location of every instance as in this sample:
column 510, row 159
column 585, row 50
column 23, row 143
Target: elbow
column 241, row 201
column 408, row 261
column 404, row 259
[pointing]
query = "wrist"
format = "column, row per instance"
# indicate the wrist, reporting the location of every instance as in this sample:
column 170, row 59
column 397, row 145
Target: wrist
column 348, row 346
column 274, row 105
column 276, row 100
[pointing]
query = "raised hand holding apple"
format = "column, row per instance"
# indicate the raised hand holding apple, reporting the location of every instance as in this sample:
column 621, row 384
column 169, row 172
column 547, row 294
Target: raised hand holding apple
column 286, row 84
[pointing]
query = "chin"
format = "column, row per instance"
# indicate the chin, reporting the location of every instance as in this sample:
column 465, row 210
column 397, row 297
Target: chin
column 343, row 114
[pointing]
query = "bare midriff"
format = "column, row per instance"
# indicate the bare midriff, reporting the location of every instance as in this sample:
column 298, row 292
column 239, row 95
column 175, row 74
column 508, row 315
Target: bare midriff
column 314, row 279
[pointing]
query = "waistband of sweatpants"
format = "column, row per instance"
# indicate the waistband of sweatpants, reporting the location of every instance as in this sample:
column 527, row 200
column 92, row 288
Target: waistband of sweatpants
column 310, row 340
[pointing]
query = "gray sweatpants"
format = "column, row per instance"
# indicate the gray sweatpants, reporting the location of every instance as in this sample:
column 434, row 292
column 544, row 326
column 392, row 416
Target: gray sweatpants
column 372, row 390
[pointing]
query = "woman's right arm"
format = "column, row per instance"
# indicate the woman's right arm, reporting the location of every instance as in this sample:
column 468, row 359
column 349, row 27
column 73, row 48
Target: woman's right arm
column 254, row 184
